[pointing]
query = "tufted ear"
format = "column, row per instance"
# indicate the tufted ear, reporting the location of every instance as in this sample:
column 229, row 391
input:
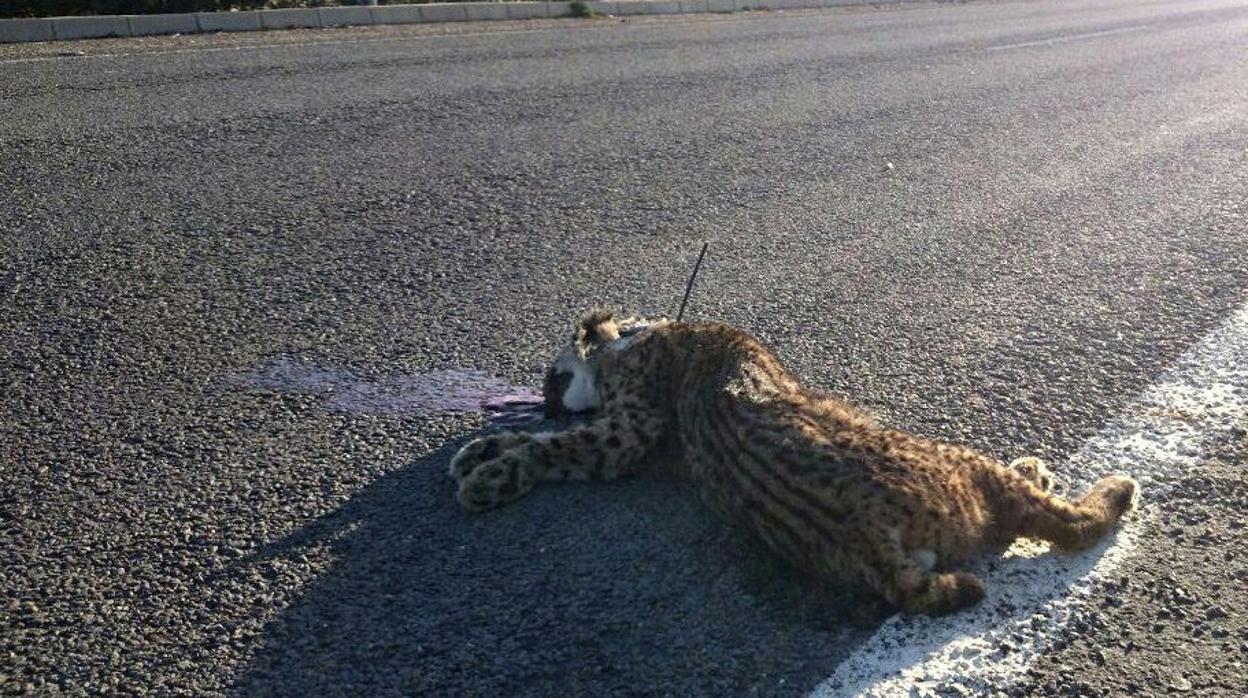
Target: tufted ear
column 596, row 328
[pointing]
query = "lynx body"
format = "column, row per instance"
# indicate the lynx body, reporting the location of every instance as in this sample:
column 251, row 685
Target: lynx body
column 818, row 481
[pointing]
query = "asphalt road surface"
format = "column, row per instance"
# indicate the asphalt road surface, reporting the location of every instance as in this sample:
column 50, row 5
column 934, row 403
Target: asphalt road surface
column 247, row 282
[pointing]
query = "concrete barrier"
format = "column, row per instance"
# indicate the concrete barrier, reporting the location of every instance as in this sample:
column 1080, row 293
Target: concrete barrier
column 22, row 30
column 526, row 10
column 294, row 18
column 602, row 7
column 444, row 12
column 648, row 7
column 148, row 25
column 484, row 11
column 90, row 27
column 345, row 16
column 781, row 4
column 14, row 31
column 228, row 21
column 559, row 9
column 396, row 14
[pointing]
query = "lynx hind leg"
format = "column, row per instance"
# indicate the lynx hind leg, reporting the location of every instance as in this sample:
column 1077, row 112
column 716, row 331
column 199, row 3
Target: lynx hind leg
column 1118, row 494
column 907, row 581
column 486, row 448
column 1035, row 471
column 942, row 594
column 1078, row 524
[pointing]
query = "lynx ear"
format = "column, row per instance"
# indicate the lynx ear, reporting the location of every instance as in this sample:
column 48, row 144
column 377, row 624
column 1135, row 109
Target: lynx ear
column 596, row 328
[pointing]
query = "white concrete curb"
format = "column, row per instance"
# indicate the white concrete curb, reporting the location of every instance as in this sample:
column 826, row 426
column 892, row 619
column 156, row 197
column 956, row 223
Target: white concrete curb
column 345, row 16
column 143, row 25
column 60, row 28
column 228, row 21
column 300, row 18
column 90, row 27
column 14, row 30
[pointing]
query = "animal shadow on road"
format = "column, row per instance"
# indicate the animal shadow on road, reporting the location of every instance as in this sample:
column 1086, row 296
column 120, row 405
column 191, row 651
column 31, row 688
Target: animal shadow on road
column 581, row 589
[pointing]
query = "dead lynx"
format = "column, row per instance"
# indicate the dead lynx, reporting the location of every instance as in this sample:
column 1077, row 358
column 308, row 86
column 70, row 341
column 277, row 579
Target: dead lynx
column 816, row 480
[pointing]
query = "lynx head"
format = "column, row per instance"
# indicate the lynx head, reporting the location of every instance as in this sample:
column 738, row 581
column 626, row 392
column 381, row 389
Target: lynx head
column 571, row 384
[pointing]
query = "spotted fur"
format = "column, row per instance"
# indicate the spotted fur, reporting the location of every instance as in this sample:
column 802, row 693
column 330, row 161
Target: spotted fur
column 818, row 481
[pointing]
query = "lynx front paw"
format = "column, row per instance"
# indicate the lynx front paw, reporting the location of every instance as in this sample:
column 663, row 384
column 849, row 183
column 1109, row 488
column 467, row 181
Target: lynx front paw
column 1035, row 470
column 495, row 483
column 484, row 449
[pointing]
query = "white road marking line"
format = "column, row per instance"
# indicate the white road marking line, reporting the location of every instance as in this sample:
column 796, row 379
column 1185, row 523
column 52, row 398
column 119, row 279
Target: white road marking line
column 1201, row 401
column 1069, row 37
